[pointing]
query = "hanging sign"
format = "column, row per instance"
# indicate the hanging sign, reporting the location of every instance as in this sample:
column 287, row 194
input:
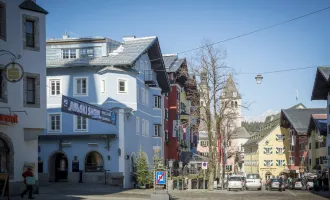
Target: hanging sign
column 80, row 108
column 9, row 118
column 14, row 72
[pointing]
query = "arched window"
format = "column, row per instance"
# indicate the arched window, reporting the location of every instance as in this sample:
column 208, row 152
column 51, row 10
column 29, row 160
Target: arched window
column 236, row 104
column 3, row 157
column 94, row 162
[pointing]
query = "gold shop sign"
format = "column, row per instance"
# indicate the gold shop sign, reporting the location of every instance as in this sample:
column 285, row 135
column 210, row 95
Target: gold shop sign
column 14, row 72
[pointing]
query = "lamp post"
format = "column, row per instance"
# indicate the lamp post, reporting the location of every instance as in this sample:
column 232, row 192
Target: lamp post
column 259, row 78
column 181, row 174
column 170, row 165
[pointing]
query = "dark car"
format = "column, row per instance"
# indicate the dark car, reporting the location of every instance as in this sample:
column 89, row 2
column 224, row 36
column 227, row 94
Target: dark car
column 274, row 183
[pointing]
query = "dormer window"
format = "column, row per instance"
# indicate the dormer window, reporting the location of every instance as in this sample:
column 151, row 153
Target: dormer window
column 69, row 53
column 87, row 53
column 234, row 94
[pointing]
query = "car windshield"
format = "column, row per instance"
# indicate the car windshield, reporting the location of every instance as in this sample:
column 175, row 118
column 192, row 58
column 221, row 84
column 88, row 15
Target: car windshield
column 253, row 176
column 235, row 179
column 274, row 180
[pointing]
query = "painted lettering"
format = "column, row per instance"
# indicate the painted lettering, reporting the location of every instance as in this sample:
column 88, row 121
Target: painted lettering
column 9, row 118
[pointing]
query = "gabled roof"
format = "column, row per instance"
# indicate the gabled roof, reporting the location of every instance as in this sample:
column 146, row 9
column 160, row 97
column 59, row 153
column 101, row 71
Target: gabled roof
column 320, row 122
column 299, row 118
column 230, row 88
column 32, row 6
column 321, row 84
column 298, row 106
column 126, row 55
column 172, row 62
column 240, row 133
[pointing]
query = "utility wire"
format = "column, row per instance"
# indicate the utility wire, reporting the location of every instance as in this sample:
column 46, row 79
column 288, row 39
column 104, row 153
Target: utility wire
column 278, row 71
column 252, row 32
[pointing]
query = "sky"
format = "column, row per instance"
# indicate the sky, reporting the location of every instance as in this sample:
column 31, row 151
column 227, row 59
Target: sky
column 183, row 25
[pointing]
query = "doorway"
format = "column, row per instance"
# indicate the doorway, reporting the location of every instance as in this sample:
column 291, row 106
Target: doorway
column 4, row 150
column 58, row 167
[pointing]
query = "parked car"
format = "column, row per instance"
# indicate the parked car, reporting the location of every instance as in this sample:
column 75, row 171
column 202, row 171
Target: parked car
column 235, row 182
column 253, row 181
column 274, row 183
column 310, row 184
column 298, row 184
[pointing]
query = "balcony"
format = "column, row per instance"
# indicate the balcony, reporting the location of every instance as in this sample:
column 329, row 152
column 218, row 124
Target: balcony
column 150, row 78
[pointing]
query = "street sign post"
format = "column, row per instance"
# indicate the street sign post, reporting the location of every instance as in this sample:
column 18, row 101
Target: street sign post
column 204, row 165
column 204, row 168
column 160, row 177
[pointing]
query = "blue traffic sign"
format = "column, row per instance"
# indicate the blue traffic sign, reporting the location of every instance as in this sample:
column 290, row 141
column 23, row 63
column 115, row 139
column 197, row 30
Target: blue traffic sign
column 160, row 178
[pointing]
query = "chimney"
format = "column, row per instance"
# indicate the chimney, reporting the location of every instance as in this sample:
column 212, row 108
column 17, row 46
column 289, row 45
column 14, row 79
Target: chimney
column 128, row 38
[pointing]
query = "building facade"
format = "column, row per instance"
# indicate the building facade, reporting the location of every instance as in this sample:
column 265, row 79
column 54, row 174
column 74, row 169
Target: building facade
column 23, row 98
column 116, row 76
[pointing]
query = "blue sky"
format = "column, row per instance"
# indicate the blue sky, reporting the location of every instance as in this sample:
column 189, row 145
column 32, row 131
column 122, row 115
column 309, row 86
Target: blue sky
column 182, row 25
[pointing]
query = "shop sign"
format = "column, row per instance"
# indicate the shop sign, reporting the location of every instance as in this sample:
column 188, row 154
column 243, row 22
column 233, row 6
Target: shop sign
column 14, row 72
column 9, row 118
column 80, row 108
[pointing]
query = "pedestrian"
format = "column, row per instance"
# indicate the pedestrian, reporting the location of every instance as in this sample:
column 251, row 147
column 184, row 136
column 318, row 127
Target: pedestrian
column 28, row 174
column 281, row 183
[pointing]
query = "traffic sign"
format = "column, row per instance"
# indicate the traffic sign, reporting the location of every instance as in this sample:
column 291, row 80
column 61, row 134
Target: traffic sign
column 160, row 178
column 204, row 165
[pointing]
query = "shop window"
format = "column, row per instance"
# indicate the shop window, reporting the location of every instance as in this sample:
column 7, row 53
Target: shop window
column 94, row 162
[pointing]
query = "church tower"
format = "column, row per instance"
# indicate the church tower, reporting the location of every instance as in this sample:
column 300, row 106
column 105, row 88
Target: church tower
column 231, row 95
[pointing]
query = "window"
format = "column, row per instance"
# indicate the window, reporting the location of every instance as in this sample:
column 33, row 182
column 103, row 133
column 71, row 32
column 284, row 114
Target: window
column 291, row 147
column 280, row 150
column 268, row 150
column 29, row 33
column 310, row 161
column 178, row 94
column 234, row 94
column 143, row 128
column 3, row 87
column 317, row 161
column 157, row 101
column 80, row 123
column 55, row 87
column 86, row 53
column 279, row 137
column 235, row 104
column 310, row 146
column 2, row 21
column 137, row 94
column 204, row 143
column 122, row 86
column 156, row 130
column 94, row 162
column 280, row 162
column 147, row 128
column 80, row 86
column 31, row 91
column 137, row 126
column 143, row 96
column 302, row 160
column 322, row 158
column 232, row 104
column 147, row 98
column 205, row 154
column 166, row 113
column 268, row 163
column 69, row 53
column 316, row 145
column 102, row 86
column 291, row 160
column 54, row 123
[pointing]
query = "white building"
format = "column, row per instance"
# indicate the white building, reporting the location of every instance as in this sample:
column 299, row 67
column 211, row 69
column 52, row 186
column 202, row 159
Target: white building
column 22, row 95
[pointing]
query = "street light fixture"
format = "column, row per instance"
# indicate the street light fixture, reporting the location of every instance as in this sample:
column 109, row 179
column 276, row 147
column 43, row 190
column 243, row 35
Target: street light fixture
column 259, row 78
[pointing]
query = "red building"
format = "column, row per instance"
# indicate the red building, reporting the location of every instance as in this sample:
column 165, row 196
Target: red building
column 295, row 122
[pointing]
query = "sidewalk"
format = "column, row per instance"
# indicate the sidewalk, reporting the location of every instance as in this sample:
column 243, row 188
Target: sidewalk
column 325, row 194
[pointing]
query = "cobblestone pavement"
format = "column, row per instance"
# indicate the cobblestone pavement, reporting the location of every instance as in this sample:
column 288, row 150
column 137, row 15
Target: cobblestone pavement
column 65, row 191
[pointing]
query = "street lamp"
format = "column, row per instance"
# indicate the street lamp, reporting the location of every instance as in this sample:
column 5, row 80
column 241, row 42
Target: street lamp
column 259, row 78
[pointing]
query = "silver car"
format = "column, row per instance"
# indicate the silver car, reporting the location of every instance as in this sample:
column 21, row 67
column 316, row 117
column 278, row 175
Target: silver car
column 298, row 184
column 235, row 182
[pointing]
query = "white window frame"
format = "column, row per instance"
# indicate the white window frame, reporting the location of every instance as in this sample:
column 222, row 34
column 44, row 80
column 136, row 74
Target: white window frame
column 143, row 128
column 147, row 128
column 49, row 122
column 269, row 150
column 291, row 163
column 69, row 53
column 204, row 143
column 103, row 86
column 75, row 86
column 157, row 102
column 137, row 126
column 156, row 133
column 126, row 86
column 75, row 123
column 50, row 87
column 268, row 163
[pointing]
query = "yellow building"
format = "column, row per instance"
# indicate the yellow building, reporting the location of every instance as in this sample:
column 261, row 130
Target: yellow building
column 265, row 151
column 317, row 132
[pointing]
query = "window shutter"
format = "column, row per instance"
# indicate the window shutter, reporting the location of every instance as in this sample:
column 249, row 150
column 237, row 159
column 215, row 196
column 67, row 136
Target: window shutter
column 277, row 150
column 277, row 137
column 271, row 163
column 277, row 162
column 265, row 163
column 283, row 163
column 265, row 150
column 271, row 151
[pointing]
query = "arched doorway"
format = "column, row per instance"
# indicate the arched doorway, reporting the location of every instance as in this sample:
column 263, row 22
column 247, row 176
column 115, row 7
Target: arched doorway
column 6, row 155
column 58, row 167
column 4, row 151
column 94, row 162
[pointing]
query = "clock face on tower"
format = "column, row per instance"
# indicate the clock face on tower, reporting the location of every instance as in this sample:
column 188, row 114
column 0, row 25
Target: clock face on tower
column 234, row 94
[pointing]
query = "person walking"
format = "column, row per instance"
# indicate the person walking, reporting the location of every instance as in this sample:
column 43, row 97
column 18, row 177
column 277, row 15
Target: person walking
column 281, row 183
column 29, row 187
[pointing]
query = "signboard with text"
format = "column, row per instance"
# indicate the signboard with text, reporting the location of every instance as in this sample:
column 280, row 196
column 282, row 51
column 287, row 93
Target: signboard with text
column 80, row 108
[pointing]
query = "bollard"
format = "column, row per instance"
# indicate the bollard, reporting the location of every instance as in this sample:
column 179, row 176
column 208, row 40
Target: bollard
column 80, row 176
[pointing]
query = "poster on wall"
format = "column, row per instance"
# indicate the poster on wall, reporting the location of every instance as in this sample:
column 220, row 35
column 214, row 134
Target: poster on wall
column 80, row 108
